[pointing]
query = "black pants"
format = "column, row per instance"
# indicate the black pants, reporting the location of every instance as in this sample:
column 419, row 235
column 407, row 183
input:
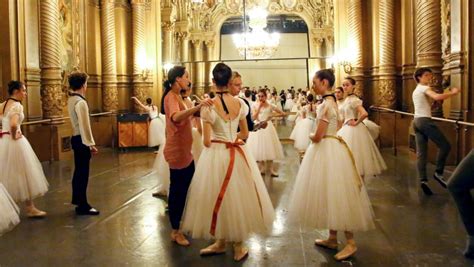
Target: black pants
column 179, row 184
column 426, row 129
column 80, row 179
column 460, row 185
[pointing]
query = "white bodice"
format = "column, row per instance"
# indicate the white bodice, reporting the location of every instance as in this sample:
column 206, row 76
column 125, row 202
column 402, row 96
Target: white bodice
column 265, row 112
column 328, row 112
column 152, row 112
column 222, row 129
column 310, row 112
column 348, row 108
column 15, row 109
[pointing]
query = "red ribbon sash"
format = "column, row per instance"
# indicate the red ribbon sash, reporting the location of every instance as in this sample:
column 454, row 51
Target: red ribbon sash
column 3, row 133
column 233, row 147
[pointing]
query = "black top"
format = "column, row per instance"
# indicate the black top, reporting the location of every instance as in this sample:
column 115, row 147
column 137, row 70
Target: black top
column 249, row 116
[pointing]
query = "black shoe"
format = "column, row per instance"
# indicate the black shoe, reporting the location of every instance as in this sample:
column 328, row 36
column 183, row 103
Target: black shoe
column 90, row 211
column 426, row 189
column 440, row 179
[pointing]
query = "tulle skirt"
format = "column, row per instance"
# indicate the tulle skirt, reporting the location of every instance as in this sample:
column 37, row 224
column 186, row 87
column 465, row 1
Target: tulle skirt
column 301, row 132
column 21, row 171
column 246, row 207
column 294, row 116
column 8, row 211
column 265, row 144
column 197, row 145
column 156, row 132
column 161, row 172
column 367, row 156
column 373, row 128
column 289, row 104
column 326, row 194
column 161, row 169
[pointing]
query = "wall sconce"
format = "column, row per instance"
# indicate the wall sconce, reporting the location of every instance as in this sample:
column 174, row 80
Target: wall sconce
column 347, row 66
column 145, row 73
column 341, row 60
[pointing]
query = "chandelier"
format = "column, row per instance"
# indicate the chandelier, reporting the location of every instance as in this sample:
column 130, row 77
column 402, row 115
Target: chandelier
column 257, row 43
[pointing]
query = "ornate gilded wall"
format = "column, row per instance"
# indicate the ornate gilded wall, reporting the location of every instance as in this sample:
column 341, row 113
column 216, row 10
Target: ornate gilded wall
column 123, row 44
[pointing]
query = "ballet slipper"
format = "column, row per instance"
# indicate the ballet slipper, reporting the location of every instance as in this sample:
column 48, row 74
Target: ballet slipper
column 240, row 252
column 216, row 248
column 33, row 212
column 329, row 243
column 273, row 174
column 349, row 250
column 180, row 239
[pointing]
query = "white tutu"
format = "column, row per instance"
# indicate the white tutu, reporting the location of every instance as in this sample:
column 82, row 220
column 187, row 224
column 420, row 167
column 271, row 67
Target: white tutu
column 289, row 104
column 8, row 211
column 301, row 132
column 295, row 116
column 326, row 194
column 246, row 207
column 373, row 128
column 197, row 145
column 368, row 159
column 265, row 144
column 161, row 169
column 21, row 171
column 161, row 172
column 156, row 131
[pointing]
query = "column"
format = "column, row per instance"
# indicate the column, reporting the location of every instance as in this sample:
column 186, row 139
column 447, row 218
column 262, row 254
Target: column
column 208, row 66
column 109, row 57
column 386, row 90
column 168, row 41
column 428, row 42
column 198, row 67
column 50, row 64
column 354, row 17
column 140, row 72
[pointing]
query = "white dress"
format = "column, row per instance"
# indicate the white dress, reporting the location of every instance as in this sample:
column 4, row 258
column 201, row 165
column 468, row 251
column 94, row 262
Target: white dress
column 374, row 129
column 368, row 159
column 296, row 108
column 289, row 102
column 21, row 171
column 304, row 128
column 8, row 211
column 156, row 130
column 246, row 206
column 265, row 144
column 328, row 192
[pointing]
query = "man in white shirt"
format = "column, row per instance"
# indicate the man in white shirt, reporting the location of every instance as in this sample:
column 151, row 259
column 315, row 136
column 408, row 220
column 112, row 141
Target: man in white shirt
column 426, row 129
column 82, row 142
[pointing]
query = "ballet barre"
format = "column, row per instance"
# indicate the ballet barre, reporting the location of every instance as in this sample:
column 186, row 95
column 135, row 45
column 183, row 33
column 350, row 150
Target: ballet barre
column 458, row 124
column 61, row 120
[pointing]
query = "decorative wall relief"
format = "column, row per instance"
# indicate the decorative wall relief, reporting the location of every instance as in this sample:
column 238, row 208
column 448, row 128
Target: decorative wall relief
column 66, row 27
column 445, row 28
column 387, row 93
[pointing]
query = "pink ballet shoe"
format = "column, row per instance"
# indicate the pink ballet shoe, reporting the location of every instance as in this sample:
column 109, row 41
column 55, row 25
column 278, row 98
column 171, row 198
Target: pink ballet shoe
column 331, row 244
column 180, row 239
column 240, row 252
column 348, row 251
column 35, row 213
column 214, row 249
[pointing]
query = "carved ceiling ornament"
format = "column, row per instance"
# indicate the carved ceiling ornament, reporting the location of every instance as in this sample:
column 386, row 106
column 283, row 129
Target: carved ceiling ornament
column 210, row 15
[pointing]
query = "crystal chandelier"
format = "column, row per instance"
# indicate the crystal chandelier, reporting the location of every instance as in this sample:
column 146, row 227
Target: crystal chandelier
column 258, row 43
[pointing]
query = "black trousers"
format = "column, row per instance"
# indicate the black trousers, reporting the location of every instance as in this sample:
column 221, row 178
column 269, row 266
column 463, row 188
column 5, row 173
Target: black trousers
column 179, row 185
column 80, row 179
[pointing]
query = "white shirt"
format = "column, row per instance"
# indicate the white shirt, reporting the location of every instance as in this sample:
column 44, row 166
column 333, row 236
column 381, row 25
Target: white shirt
column 79, row 113
column 421, row 101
